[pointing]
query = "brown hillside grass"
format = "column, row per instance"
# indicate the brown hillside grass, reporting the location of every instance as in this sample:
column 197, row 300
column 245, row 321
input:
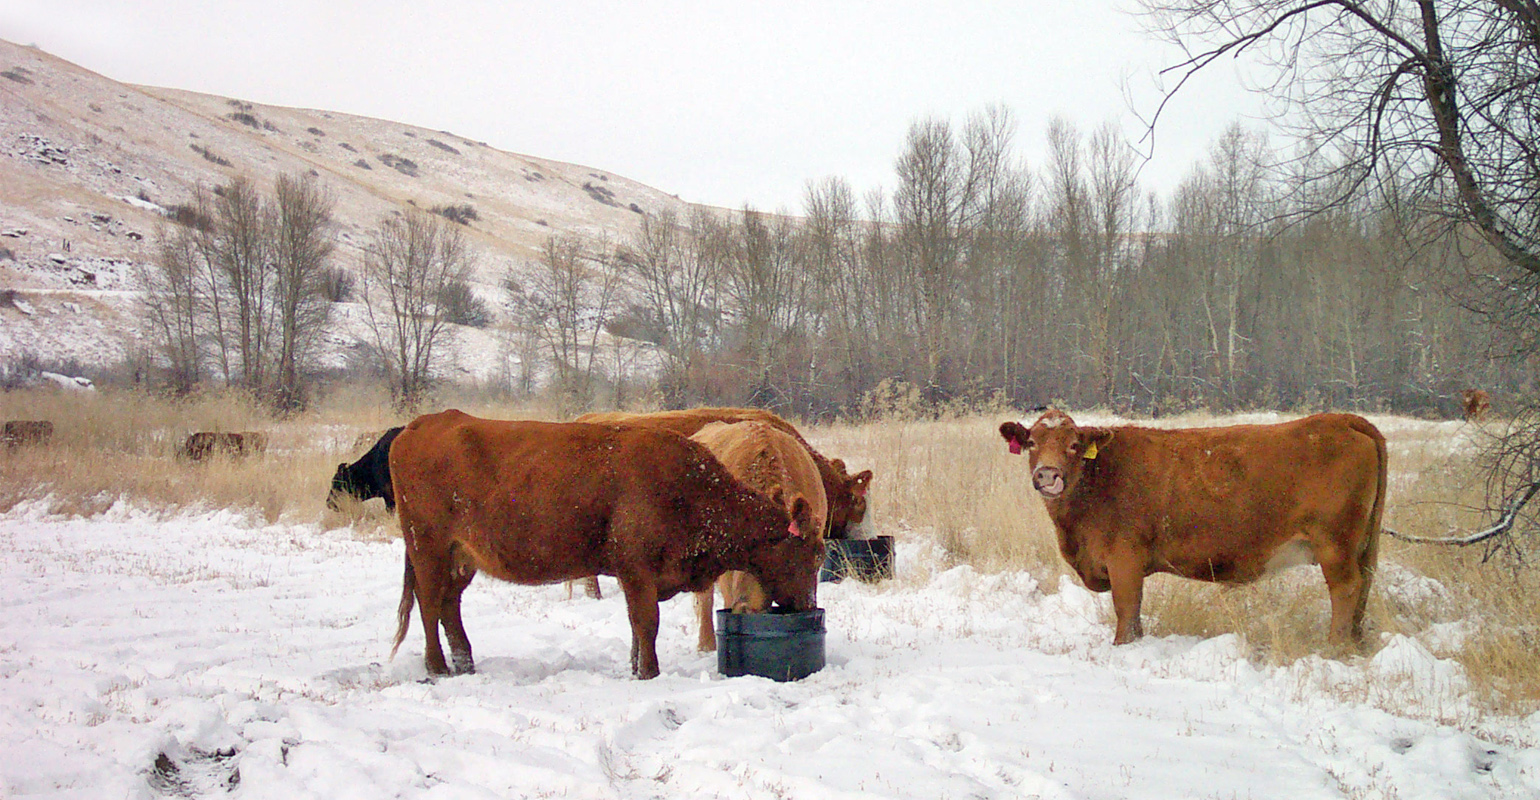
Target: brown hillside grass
column 947, row 485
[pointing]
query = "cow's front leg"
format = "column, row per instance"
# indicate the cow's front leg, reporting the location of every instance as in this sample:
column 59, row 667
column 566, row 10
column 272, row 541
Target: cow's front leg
column 1127, row 579
column 642, row 606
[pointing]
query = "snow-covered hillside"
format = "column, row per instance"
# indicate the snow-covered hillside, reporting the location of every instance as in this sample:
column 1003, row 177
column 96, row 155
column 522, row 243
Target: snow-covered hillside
column 87, row 164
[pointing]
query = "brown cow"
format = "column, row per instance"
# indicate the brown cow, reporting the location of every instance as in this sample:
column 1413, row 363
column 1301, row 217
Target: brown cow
column 1215, row 504
column 1476, row 403
column 773, row 463
column 20, row 432
column 202, row 445
column 846, row 493
column 538, row 502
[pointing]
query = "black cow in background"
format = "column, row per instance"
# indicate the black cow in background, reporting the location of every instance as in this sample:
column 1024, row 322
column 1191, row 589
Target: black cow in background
column 368, row 476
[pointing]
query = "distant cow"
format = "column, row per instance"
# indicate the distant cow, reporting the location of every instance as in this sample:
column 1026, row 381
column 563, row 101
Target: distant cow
column 205, row 444
column 537, row 502
column 846, row 493
column 368, row 477
column 1216, row 504
column 20, row 432
column 1475, row 404
column 771, row 462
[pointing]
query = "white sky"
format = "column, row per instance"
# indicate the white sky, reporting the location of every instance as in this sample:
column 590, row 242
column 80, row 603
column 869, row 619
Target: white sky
column 719, row 102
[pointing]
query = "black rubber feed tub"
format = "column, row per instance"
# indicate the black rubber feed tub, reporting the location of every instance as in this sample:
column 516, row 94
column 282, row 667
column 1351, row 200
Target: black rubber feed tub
column 780, row 645
column 868, row 560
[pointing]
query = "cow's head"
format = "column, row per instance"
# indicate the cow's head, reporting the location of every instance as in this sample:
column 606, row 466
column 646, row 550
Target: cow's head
column 342, row 483
column 1057, row 450
column 788, row 567
column 847, row 502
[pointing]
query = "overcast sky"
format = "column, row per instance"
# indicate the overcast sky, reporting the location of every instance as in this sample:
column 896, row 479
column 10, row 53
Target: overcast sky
column 719, row 102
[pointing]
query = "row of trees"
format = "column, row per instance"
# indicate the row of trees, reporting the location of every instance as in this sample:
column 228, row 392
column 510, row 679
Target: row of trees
column 238, row 291
column 978, row 278
column 241, row 291
column 975, row 279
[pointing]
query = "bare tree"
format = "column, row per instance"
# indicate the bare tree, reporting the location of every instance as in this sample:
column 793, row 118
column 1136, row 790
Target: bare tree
column 1440, row 97
column 568, row 303
column 174, row 300
column 675, row 268
column 948, row 189
column 842, row 309
column 1433, row 104
column 412, row 257
column 767, row 285
column 241, row 282
column 1113, row 203
column 240, row 249
column 301, row 249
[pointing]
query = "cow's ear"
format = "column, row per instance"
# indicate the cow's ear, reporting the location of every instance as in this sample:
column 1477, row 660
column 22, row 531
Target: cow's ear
column 838, row 465
column 801, row 517
column 1093, row 441
column 778, row 497
column 861, row 482
column 1015, row 436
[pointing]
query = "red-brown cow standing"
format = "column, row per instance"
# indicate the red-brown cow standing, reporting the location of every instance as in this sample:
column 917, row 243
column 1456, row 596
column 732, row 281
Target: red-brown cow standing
column 539, row 502
column 845, row 493
column 771, row 462
column 1216, row 504
column 1475, row 403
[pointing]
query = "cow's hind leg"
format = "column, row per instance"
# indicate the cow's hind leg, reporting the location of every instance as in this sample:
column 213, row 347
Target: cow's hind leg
column 454, row 629
column 432, row 572
column 706, row 641
column 1348, row 584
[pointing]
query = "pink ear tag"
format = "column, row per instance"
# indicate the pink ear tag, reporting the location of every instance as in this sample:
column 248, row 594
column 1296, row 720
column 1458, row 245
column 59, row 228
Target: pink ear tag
column 793, row 530
column 1015, row 447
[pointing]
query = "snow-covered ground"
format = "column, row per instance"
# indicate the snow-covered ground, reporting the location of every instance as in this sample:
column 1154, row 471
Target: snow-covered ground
column 144, row 655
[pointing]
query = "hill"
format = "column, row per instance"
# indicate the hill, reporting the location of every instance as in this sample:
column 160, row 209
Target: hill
column 89, row 165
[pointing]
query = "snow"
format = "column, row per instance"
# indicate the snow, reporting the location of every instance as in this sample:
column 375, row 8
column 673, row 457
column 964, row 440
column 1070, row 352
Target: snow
column 139, row 202
column 147, row 654
column 67, row 382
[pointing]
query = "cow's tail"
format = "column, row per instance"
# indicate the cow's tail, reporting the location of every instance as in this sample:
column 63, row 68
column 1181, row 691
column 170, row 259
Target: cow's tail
column 404, row 610
column 1369, row 557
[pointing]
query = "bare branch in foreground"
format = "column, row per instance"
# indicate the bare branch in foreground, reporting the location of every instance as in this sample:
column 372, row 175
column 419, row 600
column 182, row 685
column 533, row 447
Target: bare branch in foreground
column 1503, row 525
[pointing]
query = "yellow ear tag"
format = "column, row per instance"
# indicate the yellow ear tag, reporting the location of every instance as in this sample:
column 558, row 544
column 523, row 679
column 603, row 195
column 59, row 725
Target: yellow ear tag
column 1090, row 452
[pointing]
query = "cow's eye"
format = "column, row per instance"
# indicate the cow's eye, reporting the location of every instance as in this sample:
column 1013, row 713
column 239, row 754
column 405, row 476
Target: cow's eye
column 1074, row 447
column 1031, row 444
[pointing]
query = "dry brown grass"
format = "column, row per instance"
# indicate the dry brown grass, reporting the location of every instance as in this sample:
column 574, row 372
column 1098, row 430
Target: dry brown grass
column 947, row 484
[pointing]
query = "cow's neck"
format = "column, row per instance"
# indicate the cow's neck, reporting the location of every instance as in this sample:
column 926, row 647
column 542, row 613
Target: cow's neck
column 1075, row 505
column 728, row 530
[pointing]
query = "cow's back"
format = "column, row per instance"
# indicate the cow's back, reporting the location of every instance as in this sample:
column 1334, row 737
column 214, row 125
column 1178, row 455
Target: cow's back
column 686, row 422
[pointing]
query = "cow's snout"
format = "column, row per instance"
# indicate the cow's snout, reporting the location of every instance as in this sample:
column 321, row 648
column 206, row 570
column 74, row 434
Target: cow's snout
column 1048, row 481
